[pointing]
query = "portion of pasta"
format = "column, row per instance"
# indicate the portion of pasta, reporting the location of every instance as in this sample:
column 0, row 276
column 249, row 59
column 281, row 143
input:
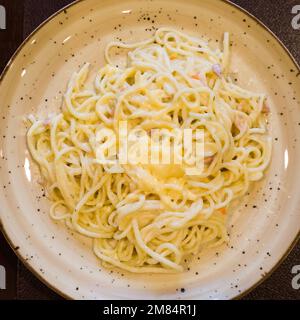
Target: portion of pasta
column 141, row 217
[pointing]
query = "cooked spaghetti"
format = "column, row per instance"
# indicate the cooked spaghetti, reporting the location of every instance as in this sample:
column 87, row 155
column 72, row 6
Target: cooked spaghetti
column 141, row 217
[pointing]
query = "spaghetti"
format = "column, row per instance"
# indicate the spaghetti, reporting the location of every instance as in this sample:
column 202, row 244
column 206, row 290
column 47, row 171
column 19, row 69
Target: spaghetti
column 146, row 218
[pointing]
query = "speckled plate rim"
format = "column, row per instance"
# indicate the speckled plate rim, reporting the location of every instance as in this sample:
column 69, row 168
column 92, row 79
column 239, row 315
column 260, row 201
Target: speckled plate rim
column 6, row 69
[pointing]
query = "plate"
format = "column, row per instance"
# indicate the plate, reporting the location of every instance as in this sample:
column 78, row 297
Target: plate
column 264, row 224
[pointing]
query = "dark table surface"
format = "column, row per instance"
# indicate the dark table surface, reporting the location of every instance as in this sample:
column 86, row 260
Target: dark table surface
column 23, row 16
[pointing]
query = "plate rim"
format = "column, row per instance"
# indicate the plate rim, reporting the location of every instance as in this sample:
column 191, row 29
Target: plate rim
column 7, row 68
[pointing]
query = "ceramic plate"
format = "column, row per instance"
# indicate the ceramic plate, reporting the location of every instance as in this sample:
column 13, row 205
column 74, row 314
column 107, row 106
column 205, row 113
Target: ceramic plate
column 263, row 226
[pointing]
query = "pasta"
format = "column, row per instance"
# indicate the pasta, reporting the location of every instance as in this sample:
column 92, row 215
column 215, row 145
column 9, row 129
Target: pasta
column 146, row 217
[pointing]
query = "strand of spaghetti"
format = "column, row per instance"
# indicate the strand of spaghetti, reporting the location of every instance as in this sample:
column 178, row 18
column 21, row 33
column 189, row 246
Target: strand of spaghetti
column 151, row 253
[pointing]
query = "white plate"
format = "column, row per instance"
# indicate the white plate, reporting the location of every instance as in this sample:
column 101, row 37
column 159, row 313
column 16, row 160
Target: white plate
column 261, row 232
